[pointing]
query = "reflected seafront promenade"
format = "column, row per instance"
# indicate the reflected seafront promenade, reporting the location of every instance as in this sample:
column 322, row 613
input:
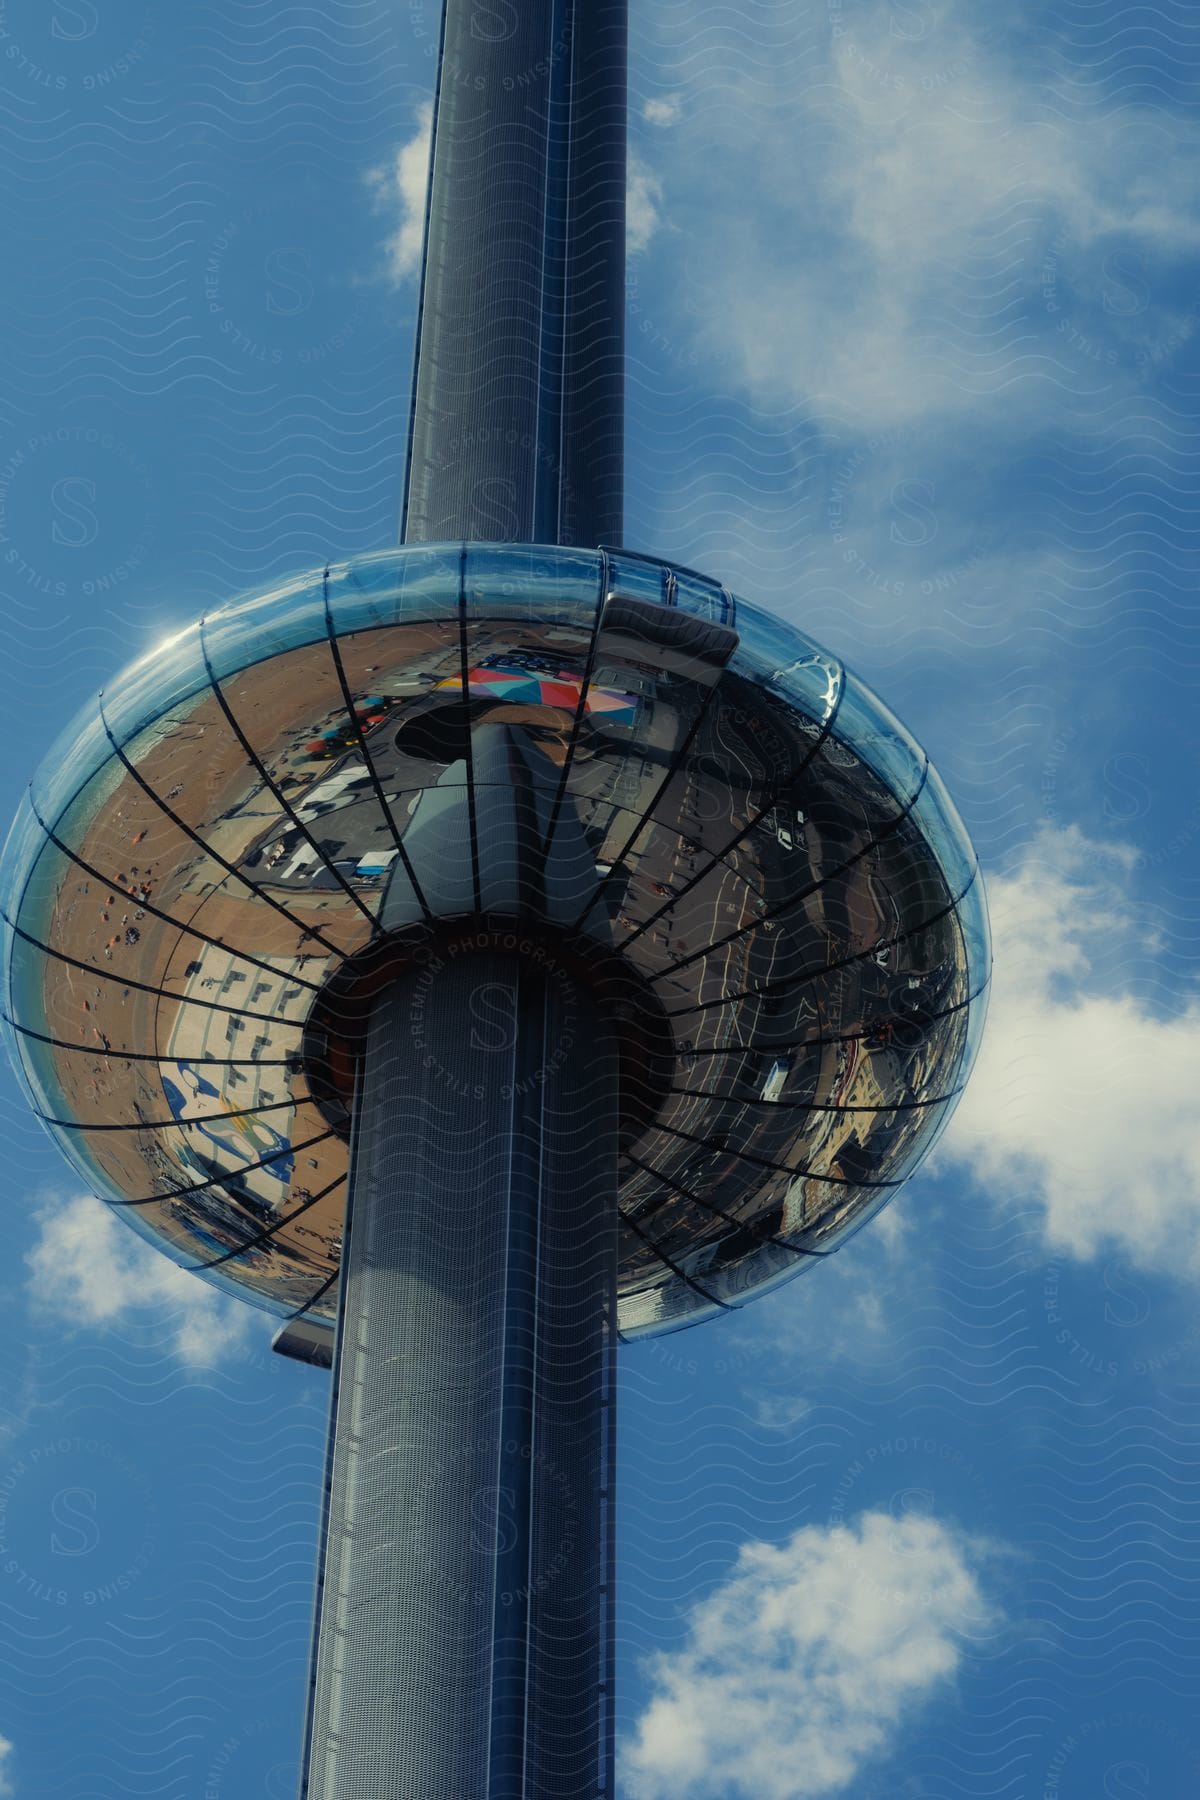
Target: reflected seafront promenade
column 198, row 879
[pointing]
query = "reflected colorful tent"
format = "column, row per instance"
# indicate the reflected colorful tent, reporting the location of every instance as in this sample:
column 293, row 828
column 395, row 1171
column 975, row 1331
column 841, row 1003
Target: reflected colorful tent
column 522, row 686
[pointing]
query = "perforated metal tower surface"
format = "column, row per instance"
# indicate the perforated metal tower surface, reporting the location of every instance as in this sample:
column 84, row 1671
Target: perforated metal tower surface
column 464, row 1635
column 517, row 423
column 464, row 1621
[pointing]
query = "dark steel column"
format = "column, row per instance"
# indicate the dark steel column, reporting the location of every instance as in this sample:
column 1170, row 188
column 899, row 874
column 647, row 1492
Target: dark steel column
column 464, row 1618
column 518, row 406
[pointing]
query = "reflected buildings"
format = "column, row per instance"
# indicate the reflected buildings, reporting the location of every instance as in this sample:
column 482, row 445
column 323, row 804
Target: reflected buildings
column 480, row 951
column 779, row 871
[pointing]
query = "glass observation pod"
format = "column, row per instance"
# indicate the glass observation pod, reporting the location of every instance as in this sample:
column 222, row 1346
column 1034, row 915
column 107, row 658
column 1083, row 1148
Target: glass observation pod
column 222, row 861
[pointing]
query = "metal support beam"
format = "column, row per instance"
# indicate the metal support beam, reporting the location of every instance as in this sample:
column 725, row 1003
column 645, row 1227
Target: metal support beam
column 464, row 1637
column 517, row 425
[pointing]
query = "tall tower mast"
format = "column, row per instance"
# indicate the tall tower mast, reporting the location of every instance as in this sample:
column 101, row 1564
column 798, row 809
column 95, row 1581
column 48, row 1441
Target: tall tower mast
column 526, row 939
column 517, row 425
column 464, row 1636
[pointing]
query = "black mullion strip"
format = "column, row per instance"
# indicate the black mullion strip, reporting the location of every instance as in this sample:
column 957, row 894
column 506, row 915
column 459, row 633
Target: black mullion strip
column 759, row 1237
column 285, row 805
column 195, row 838
column 786, row 906
column 761, row 1162
column 264, row 1237
column 167, row 919
column 773, row 793
column 673, row 768
column 368, row 759
column 201, row 1187
column 671, row 1264
column 844, row 1037
column 245, row 1112
column 844, row 962
column 143, row 987
column 581, row 709
column 813, row 1105
column 313, row 1298
column 466, row 702
column 154, row 1056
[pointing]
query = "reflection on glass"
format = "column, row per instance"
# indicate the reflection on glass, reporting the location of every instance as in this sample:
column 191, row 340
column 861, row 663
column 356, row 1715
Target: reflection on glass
column 784, row 878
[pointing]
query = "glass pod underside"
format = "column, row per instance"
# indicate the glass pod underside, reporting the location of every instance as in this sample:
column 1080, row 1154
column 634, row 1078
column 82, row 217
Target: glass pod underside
column 780, row 867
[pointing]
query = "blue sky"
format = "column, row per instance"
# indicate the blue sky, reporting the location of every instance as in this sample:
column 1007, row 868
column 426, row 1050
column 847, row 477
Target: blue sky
column 915, row 360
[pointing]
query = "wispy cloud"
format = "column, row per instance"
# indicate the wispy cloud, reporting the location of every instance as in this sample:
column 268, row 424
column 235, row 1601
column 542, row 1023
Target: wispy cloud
column 400, row 188
column 6, row 1754
column 644, row 205
column 807, row 1662
column 86, row 1268
column 886, row 257
column 664, row 111
column 1083, row 1095
column 780, row 1412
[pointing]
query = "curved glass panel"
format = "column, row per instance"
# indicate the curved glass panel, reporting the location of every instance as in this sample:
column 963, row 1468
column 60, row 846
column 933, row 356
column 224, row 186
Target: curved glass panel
column 639, row 577
column 938, row 818
column 779, row 656
column 250, row 631
column 81, row 750
column 385, row 590
column 169, row 677
column 757, row 840
column 532, row 582
column 707, row 599
column 874, row 736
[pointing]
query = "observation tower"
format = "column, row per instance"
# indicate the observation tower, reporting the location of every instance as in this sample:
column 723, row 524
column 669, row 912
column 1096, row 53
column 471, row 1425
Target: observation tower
column 480, row 951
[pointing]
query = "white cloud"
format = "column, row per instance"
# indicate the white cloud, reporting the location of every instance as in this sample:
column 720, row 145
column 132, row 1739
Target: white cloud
column 87, row 1268
column 780, row 1412
column 6, row 1750
column 644, row 205
column 1082, row 1095
column 663, row 112
column 806, row 1664
column 889, row 260
column 401, row 189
